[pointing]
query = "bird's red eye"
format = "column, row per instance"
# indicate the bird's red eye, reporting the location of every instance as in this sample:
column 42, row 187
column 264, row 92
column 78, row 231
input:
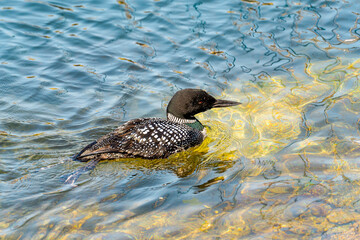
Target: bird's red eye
column 200, row 102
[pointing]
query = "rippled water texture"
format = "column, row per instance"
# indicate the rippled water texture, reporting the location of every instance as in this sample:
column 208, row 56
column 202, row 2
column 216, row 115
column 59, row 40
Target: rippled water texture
column 283, row 165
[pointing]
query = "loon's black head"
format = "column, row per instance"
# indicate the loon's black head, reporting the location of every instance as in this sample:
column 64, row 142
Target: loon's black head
column 188, row 102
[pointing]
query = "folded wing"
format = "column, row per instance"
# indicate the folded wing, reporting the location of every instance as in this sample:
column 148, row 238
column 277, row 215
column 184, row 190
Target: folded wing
column 150, row 138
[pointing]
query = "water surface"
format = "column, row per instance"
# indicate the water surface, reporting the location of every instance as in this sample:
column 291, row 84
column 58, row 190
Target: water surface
column 284, row 164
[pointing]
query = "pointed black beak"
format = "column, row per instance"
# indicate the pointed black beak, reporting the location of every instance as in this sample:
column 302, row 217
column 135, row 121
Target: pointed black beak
column 224, row 103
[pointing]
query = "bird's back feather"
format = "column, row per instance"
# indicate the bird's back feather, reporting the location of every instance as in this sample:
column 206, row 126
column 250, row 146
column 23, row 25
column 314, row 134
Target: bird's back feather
column 149, row 138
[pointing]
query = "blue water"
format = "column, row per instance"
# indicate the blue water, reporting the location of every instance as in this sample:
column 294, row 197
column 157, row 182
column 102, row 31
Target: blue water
column 73, row 71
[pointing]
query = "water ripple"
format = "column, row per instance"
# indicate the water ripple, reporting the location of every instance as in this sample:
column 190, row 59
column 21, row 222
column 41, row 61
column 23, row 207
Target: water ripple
column 282, row 165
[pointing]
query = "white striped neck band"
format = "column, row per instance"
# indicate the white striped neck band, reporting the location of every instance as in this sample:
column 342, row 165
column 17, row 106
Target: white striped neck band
column 172, row 118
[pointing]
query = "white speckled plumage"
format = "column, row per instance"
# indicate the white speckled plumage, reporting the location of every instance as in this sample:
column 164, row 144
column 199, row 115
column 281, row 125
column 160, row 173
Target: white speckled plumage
column 144, row 138
column 153, row 138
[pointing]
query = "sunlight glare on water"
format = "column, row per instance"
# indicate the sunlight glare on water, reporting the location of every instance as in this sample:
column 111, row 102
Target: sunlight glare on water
column 282, row 165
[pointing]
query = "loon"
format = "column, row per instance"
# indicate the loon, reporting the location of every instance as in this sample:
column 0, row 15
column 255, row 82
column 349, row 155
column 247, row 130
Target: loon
column 156, row 138
column 152, row 138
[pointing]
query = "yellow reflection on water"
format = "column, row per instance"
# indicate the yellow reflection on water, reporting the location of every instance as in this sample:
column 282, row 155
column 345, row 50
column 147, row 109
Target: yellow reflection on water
column 316, row 188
